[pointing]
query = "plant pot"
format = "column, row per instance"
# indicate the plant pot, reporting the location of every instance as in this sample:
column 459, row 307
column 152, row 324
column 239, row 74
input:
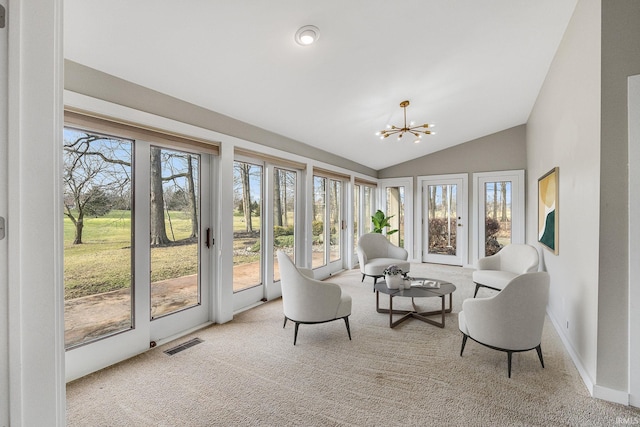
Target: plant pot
column 393, row 282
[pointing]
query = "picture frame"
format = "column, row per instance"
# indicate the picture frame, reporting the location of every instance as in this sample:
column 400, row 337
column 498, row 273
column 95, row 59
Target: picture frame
column 548, row 213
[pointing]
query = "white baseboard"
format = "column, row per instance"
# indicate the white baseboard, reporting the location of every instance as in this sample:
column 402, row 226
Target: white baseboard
column 596, row 391
column 586, row 378
column 611, row 395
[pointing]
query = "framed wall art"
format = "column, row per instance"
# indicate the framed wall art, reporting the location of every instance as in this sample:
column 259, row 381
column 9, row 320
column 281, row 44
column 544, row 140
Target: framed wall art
column 548, row 192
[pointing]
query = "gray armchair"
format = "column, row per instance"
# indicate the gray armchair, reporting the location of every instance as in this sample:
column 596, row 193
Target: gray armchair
column 495, row 271
column 510, row 321
column 306, row 300
column 375, row 253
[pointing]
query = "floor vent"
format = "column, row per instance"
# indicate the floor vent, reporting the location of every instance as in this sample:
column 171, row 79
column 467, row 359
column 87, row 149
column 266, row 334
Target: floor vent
column 183, row 346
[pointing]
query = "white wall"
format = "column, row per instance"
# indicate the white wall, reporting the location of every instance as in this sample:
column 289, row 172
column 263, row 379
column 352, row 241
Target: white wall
column 564, row 130
column 620, row 59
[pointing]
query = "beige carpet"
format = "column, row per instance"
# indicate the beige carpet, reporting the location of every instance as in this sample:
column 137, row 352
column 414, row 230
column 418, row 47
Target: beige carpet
column 247, row 372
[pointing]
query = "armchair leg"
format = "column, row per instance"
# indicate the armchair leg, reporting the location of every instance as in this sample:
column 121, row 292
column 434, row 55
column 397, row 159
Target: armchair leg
column 509, row 353
column 362, row 278
column 346, row 322
column 285, row 322
column 539, row 350
column 476, row 292
column 464, row 342
column 295, row 334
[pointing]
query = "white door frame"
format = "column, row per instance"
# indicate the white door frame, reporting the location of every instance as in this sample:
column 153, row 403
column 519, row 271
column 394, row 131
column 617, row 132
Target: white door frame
column 35, row 300
column 4, row 179
column 634, row 239
column 463, row 200
column 407, row 183
column 517, row 207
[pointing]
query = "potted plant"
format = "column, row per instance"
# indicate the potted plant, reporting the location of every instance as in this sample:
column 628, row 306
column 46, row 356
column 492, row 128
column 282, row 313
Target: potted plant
column 380, row 221
column 393, row 276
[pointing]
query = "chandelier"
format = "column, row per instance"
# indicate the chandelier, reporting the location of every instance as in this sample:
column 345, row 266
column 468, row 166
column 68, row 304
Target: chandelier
column 416, row 131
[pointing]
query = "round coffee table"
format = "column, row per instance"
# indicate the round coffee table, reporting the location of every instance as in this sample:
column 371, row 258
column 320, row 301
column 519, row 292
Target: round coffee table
column 445, row 289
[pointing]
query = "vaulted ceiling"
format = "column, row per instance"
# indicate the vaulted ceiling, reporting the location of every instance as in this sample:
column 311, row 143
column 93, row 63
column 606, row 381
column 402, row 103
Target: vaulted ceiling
column 472, row 67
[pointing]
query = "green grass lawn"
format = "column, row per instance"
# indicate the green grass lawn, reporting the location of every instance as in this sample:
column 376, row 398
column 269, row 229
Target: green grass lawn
column 103, row 262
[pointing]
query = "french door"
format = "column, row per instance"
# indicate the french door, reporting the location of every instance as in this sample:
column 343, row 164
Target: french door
column 327, row 225
column 396, row 201
column 498, row 211
column 444, row 218
column 137, row 254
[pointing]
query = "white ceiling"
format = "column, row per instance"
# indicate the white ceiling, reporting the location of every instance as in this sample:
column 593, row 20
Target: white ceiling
column 473, row 67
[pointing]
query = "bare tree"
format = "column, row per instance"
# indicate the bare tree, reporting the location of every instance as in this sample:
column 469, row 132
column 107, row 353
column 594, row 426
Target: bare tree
column 277, row 208
column 95, row 167
column 503, row 201
column 180, row 170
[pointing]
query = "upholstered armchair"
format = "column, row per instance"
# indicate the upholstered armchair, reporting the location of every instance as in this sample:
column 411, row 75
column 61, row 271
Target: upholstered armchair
column 375, row 253
column 510, row 321
column 495, row 271
column 306, row 300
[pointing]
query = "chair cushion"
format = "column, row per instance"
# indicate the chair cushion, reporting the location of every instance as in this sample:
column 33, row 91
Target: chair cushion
column 494, row 278
column 376, row 266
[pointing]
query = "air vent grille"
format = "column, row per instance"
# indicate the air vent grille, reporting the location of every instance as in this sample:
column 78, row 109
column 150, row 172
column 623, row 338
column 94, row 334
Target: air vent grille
column 183, row 346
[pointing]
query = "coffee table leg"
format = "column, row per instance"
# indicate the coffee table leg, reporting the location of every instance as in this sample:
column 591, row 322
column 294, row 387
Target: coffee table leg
column 390, row 311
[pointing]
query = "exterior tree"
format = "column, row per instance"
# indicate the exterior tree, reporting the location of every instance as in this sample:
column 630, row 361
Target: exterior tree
column 242, row 175
column 95, row 168
column 158, row 229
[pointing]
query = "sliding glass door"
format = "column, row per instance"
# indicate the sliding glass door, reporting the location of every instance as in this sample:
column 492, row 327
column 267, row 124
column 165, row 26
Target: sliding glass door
column 179, row 246
column 137, row 217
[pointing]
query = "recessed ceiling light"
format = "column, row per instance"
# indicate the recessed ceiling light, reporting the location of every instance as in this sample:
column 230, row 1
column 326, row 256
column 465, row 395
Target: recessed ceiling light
column 307, row 35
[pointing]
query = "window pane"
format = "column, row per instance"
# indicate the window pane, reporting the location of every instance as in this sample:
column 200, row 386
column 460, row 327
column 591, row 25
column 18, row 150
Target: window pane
column 395, row 209
column 368, row 210
column 319, row 214
column 442, row 219
column 174, row 222
column 497, row 222
column 335, row 215
column 98, row 245
column 284, row 215
column 356, row 214
column 247, row 224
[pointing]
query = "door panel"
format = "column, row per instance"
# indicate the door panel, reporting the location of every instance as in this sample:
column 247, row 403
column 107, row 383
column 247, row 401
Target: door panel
column 98, row 248
column 284, row 215
column 444, row 216
column 175, row 231
column 498, row 211
column 327, row 225
column 247, row 226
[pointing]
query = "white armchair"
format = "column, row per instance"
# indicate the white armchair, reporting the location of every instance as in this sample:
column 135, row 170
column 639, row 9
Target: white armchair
column 510, row 321
column 495, row 271
column 306, row 300
column 375, row 253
